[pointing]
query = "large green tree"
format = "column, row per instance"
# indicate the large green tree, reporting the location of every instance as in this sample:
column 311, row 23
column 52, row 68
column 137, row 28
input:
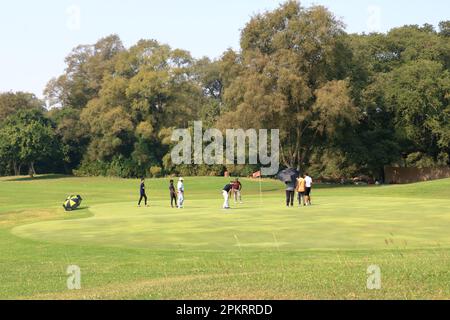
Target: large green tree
column 345, row 104
column 291, row 79
column 153, row 88
column 417, row 94
column 86, row 66
column 26, row 138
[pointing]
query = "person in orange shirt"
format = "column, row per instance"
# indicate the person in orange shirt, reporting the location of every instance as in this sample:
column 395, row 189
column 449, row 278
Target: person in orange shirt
column 301, row 189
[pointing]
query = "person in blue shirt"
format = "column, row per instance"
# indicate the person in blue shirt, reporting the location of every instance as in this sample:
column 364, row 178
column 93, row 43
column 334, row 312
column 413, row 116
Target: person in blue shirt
column 142, row 192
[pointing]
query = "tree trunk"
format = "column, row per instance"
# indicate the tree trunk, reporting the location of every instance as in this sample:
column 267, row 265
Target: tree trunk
column 16, row 168
column 66, row 168
column 382, row 175
column 31, row 170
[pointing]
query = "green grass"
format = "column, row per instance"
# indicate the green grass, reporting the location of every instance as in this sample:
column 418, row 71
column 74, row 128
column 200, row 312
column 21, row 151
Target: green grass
column 258, row 250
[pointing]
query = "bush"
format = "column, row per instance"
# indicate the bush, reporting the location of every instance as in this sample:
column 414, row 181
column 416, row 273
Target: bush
column 421, row 160
column 155, row 172
column 91, row 169
column 185, row 170
column 242, row 170
column 120, row 167
column 331, row 166
column 123, row 168
column 210, row 170
column 199, row 170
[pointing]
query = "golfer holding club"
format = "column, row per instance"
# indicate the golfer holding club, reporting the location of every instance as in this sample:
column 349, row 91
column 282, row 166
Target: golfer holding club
column 226, row 195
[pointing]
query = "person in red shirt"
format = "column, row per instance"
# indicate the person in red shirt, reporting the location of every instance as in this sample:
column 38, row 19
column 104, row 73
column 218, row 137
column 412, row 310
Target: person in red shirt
column 237, row 188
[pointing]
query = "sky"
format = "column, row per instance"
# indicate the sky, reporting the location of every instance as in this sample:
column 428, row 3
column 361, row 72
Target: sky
column 36, row 36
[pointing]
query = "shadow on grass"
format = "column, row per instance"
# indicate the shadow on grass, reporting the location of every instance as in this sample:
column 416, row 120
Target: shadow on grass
column 341, row 186
column 79, row 209
column 282, row 187
column 79, row 213
column 38, row 178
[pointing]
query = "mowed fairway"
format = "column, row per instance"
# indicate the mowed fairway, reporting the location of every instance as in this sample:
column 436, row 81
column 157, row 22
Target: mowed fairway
column 257, row 250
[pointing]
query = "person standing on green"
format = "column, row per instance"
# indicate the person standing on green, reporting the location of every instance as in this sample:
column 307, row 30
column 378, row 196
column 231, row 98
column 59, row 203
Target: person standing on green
column 237, row 189
column 290, row 193
column 173, row 194
column 308, row 187
column 143, row 193
column 301, row 189
column 180, row 190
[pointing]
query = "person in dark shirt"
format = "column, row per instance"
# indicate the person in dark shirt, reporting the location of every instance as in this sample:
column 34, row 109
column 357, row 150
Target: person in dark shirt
column 226, row 195
column 173, row 194
column 142, row 192
column 290, row 193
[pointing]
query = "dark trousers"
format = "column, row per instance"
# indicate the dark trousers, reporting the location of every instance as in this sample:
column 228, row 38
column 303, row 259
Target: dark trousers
column 290, row 198
column 301, row 197
column 143, row 196
column 173, row 199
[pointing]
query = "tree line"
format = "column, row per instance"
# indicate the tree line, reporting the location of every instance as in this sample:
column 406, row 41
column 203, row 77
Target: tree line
column 345, row 104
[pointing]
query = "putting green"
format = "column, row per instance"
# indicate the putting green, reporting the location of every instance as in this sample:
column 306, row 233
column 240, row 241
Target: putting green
column 373, row 220
column 258, row 250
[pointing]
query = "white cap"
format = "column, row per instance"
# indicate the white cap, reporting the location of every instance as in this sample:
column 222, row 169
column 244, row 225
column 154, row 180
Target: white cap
column 181, row 179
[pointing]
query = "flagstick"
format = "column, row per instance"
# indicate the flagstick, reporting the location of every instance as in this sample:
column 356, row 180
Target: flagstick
column 260, row 190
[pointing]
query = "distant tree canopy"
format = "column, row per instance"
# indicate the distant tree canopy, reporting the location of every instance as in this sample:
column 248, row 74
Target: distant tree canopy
column 27, row 137
column 345, row 104
column 10, row 103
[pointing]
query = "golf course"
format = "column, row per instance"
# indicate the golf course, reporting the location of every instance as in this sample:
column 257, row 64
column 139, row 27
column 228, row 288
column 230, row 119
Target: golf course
column 257, row 250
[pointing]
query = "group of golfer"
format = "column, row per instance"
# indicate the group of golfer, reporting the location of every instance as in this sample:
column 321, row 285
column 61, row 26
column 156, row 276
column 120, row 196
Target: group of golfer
column 176, row 194
column 302, row 186
column 234, row 188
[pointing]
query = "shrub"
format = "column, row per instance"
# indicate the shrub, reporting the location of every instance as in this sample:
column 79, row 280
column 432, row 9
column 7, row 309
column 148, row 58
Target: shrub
column 242, row 170
column 155, row 172
column 91, row 169
column 421, row 160
column 210, row 170
column 120, row 167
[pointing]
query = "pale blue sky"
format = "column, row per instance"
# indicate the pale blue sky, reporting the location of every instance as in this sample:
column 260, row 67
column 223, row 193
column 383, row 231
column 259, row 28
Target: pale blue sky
column 35, row 36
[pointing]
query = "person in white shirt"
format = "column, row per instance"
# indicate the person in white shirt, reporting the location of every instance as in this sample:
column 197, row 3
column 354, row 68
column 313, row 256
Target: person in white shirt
column 308, row 187
column 180, row 190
